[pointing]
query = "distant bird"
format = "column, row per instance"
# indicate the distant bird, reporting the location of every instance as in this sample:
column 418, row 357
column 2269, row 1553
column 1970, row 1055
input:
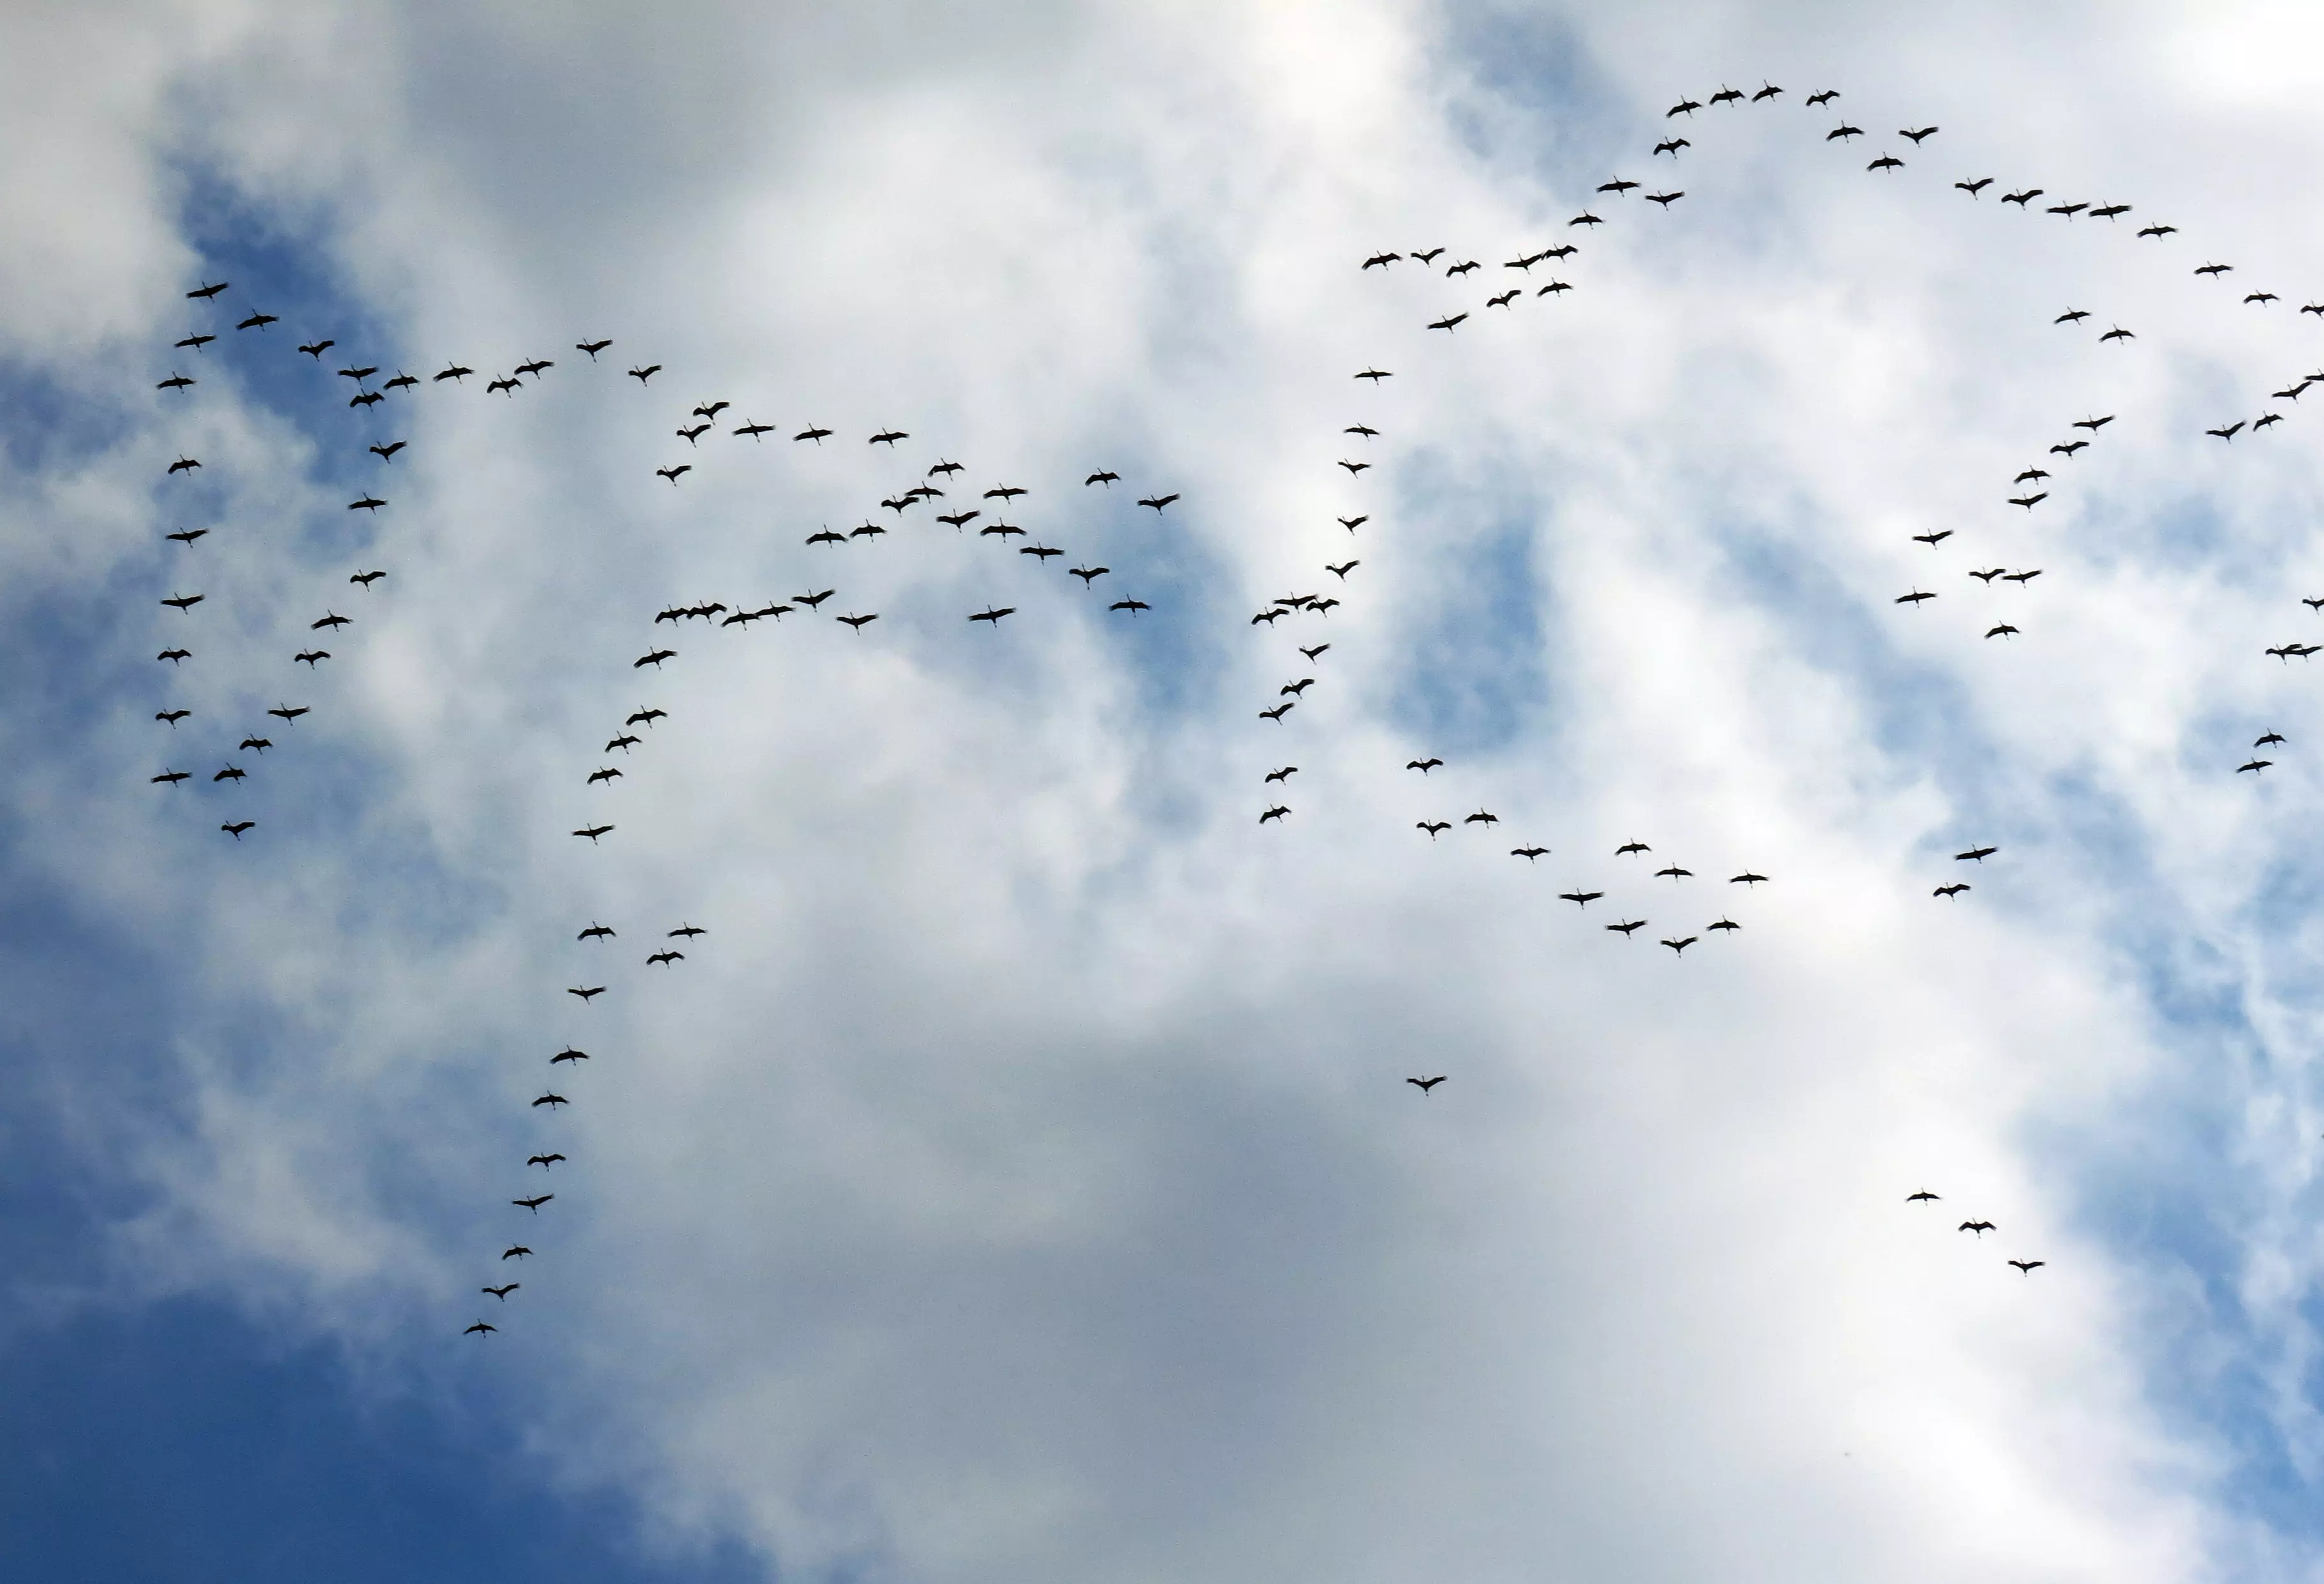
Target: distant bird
column 1158, row 501
column 196, row 342
column 1483, row 818
column 1581, row 898
column 1843, row 132
column 1616, row 186
column 368, row 399
column 2259, row 297
column 1527, row 854
column 1377, row 376
column 502, row 1292
column 1955, row 889
column 643, row 375
column 2069, row 210
column 2028, row 1267
column 1629, row 847
column 1887, row 162
column 258, row 745
column 1503, row 300
column 2260, row 423
column 2031, row 475
column 357, row 374
column 1461, row 269
column 814, row 600
column 1726, row 96
column 172, row 778
column 1312, row 653
column 174, row 655
column 535, row 366
column 817, row 435
column 387, row 452
column 1552, row 287
column 257, row 322
column 888, row 438
column 592, row 347
column 857, row 623
column 2118, row 333
column 479, row 1327
column 1748, row 877
column 1284, row 773
column 1917, row 136
column 1683, row 107
column 755, row 429
column 693, row 437
column 568, row 1054
column 2029, row 501
column 672, row 474
column 184, row 464
column 1934, row 539
column 453, row 372
column 593, row 833
column 2110, row 211
column 368, row 503
column 1447, row 322
column 534, row 1203
column 1979, row 853
column 1108, row 479
column 1381, row 259
column 596, row 932
column 2291, row 392
column 331, row 619
column 1353, row 523
column 994, row 613
column 235, row 828
column 1088, row 574
column 365, row 579
column 2228, row 433
column 665, row 958
column 2022, row 578
column 2270, row 741
column 1277, row 714
column 1914, row 598
column 1979, row 1227
column 1672, row 146
column 1428, row 257
column 2157, row 230
column 311, row 655
column 2068, row 448
column 1432, row 826
column 1922, row 1197
column 2254, row 765
column 185, row 536
column 1724, row 923
column 1132, row 606
column 1975, row 188
column 1681, row 945
column 1825, row 97
column 688, row 932
column 654, row 658
column 586, row 993
column 176, row 381
column 1342, row 569
column 2001, row 630
column 1425, row 1084
column 1422, row 765
column 208, row 292
column 1674, row 873
column 2094, row 424
column 2072, row 316
column 2213, row 270
column 2021, row 198
column 1625, row 928
column 606, row 774
column 402, row 382
column 517, row 1252
column 956, row 518
column 1585, row 218
column 1768, row 91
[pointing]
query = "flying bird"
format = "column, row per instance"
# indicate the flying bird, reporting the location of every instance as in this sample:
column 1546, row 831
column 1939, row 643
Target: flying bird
column 672, row 474
column 208, row 292
column 172, row 778
column 1672, row 146
column 1683, row 107
column 1284, row 773
column 331, row 619
column 1375, row 376
column 1665, row 199
column 196, row 342
column 1975, row 188
column 2259, row 297
column 368, row 503
column 994, row 613
column 1422, row 765
column 257, row 321
column 1629, row 847
column 1447, row 322
column 1724, row 923
column 1922, row 1197
column 569, row 1054
column 1674, row 873
column 1955, row 889
column 1527, row 854
column 655, row 658
column 755, row 429
column 1425, row 1084
column 1914, row 598
column 2270, row 741
column 2213, row 270
column 365, row 578
column 2028, row 1267
column 2068, row 448
column 1585, row 218
column 1432, row 826
column 184, row 464
column 2072, row 316
column 1088, row 574
column 1132, row 606
column 479, row 1327
column 176, row 381
column 2228, row 433
column 1108, row 479
column 311, row 655
column 535, row 1202
column 1616, row 186
column 2110, row 211
column 357, row 374
column 643, row 375
column 387, row 452
column 2001, row 630
column 856, row 623
column 502, row 1292
column 1277, row 714
column 665, row 958
column 1625, row 928
column 593, row 833
column 185, row 536
column 183, row 602
column 258, row 744
column 2029, row 501
column 1977, row 853
column 1934, row 539
column 368, row 399
column 814, row 600
column 453, row 372
column 2069, row 210
column 1312, row 653
column 1381, row 259
column 2254, row 765
column 1353, row 523
column 1158, row 501
column 1843, row 130
column 1680, row 945
column 1581, row 898
column 2157, row 230
column 1825, row 97
column 2021, row 198
column 1747, row 878
column 1887, row 162
column 235, row 828
column 402, row 382
column 888, row 438
column 517, row 1252
column 2118, row 333
column 174, row 655
column 1979, row 1227
column 1277, row 812
column 596, row 932
column 592, row 347
column 605, row 774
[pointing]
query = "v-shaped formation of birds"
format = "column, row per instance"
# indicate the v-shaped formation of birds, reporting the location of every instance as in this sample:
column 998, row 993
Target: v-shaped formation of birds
column 987, row 509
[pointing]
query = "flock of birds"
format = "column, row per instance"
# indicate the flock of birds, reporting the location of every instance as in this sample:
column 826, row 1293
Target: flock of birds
column 987, row 509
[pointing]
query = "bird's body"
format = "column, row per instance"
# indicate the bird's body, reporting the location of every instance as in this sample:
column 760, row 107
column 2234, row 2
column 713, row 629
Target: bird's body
column 1425, row 1084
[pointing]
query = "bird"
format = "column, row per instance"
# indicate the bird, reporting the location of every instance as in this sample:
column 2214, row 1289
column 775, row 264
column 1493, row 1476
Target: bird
column 235, row 828
column 1724, row 923
column 1277, row 714
column 1353, row 523
column 1680, row 945
column 2094, row 424
column 1979, row 1227
column 1683, row 107
column 1625, row 928
column 1460, row 269
column 1579, row 898
column 2259, row 297
column 688, row 932
column 665, row 958
column 2271, row 739
column 1975, row 188
column 755, row 429
column 1616, row 186
column 2069, row 210
column 596, row 932
column 643, row 375
column 814, row 600
column 387, row 452
column 2072, row 316
column 2118, row 333
column 535, row 1202
column 503, row 1290
column 257, row 321
column 172, row 778
column 1665, row 199
column 479, row 1327
column 873, row 530
column 2260, row 423
column 208, row 292
column 1432, row 826
column 1674, row 871
column 672, row 474
column 994, row 613
column 1381, row 259
column 2022, row 578
column 1934, row 539
column 958, row 519
column 1267, row 616
column 184, row 602
column 592, row 347
column 2029, row 501
column 1629, row 847
column 1917, row 136
column 1503, row 300
column 184, row 464
column 257, row 744
column 1038, row 552
column 693, row 437
column 1552, row 287
column 1922, row 1197
column 365, row 579
column 535, row 366
column 311, row 655
column 1422, row 765
column 185, row 536
column 568, row 1054
column 603, row 775
column 518, row 1251
column 1312, row 653
column 1843, row 130
column 1132, row 606
column 654, row 658
column 1825, row 97
column 1425, row 1084
column 2030, row 474
column 368, row 503
column 1428, row 257
column 888, row 438
column 176, row 381
column 1585, row 218
column 1342, row 570
column 1446, row 323
column 1977, row 853
column 2068, row 448
column 2028, row 1267
column 2021, row 198
column 593, row 833
column 357, row 374
column 1768, row 91
column 1726, row 96
column 1108, row 478
column 1748, row 877
column 857, row 623
column 174, row 655
column 2157, row 230
column 1527, row 854
column 1282, row 774
column 1374, row 375
column 2291, row 392
column 1481, row 818
column 817, row 435
column 196, row 342
column 368, row 399
column 331, row 619
column 2256, row 765
column 1277, row 812
column 1887, row 162
column 1954, row 889
column 453, row 372
column 1088, row 574
column 2001, row 630
column 1914, row 598
column 1158, row 501
column 2110, row 211
column 2215, row 271
column 552, row 1100
column 2228, row 433
column 402, row 382
column 1671, row 146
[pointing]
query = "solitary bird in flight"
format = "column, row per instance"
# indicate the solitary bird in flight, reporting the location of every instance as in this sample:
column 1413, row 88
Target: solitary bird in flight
column 1422, row 765
column 236, row 827
column 593, row 833
column 1425, row 1084
column 1955, row 889
column 1922, row 1197
column 2028, row 1267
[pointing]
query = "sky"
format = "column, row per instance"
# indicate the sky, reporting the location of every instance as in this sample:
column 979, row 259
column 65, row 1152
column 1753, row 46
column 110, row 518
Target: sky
column 1017, row 1178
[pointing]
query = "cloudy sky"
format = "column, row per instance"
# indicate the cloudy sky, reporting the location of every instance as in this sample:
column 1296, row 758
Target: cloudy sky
column 1018, row 1181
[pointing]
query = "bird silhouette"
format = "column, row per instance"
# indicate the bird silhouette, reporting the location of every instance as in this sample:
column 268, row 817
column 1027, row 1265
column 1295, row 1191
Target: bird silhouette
column 1277, row 812
column 479, row 1327
column 1425, row 1084
column 857, row 623
column 1088, row 574
column 1447, row 323
column 1528, row 853
column 185, row 536
column 1422, row 765
column 534, row 1203
column 172, row 778
column 196, row 342
column 174, row 655
column 1922, row 1197
column 183, row 602
column 1627, row 848
column 1108, row 479
column 2028, row 1267
column 236, row 827
column 516, row 1251
column 568, row 1054
column 1974, row 188
column 1432, row 826
column 2157, row 230
column 593, row 833
column 1978, row 854
column 592, row 347
column 184, row 464
column 257, row 322
column 552, row 1100
column 1671, row 146
column 1628, row 926
column 1276, row 775
column 1680, row 945
column 1579, row 898
column 643, row 375
column 1132, row 606
column 176, row 381
column 1158, row 501
column 503, row 1290
column 818, row 435
column 368, row 503
column 1979, row 1227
